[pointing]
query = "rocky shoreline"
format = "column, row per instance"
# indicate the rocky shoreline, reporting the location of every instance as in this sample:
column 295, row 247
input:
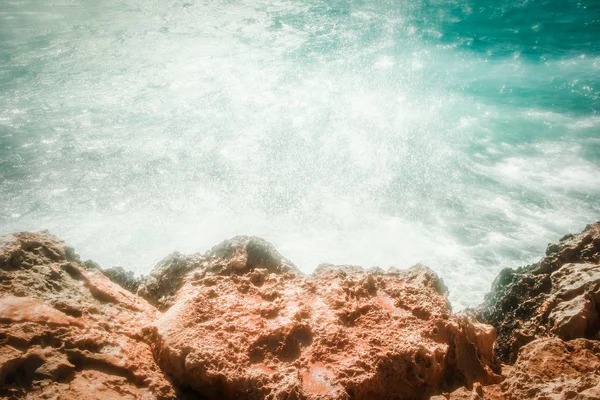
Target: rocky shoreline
column 242, row 322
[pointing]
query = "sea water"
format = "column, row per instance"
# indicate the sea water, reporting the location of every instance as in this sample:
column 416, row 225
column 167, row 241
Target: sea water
column 462, row 134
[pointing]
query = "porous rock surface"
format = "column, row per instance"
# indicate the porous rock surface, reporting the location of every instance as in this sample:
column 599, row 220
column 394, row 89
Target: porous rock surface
column 546, row 316
column 557, row 297
column 120, row 276
column 546, row 369
column 247, row 324
column 242, row 322
column 68, row 332
column 161, row 286
column 239, row 322
column 552, row 368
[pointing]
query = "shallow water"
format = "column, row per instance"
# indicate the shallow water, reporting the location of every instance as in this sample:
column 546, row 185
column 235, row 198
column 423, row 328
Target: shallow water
column 461, row 134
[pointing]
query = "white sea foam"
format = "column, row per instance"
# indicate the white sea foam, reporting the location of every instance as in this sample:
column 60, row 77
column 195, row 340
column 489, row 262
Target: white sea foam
column 343, row 135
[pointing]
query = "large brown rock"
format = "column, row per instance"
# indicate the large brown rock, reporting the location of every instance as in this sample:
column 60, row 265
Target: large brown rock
column 546, row 369
column 556, row 297
column 245, row 323
column 551, row 368
column 160, row 287
column 68, row 332
column 242, row 252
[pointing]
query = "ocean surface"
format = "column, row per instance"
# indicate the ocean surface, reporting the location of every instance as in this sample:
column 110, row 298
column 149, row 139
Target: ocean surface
column 462, row 134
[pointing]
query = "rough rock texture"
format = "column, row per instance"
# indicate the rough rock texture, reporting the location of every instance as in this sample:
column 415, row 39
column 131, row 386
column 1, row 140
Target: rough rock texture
column 543, row 314
column 477, row 393
column 68, row 332
column 241, row 252
column 551, row 368
column 242, row 322
column 120, row 276
column 557, row 297
column 246, row 324
column 166, row 278
column 546, row 369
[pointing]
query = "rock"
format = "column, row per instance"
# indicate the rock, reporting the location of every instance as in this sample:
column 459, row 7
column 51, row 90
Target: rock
column 96, row 385
column 238, row 254
column 166, row 278
column 245, row 323
column 463, row 393
column 123, row 278
column 242, row 322
column 558, row 296
column 67, row 331
column 548, row 368
column 551, row 368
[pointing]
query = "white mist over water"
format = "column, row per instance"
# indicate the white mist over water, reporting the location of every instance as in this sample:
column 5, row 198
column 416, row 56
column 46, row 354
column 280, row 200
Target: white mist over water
column 340, row 132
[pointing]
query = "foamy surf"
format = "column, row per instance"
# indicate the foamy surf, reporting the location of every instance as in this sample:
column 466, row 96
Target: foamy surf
column 342, row 132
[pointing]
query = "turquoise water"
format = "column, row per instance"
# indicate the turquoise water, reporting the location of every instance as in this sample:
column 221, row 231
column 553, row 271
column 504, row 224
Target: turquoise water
column 461, row 134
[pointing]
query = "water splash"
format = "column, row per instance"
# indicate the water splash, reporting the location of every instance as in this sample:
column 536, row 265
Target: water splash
column 382, row 133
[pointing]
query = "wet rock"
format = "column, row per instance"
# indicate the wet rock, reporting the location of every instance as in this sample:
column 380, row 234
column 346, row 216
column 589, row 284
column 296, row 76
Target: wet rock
column 67, row 331
column 242, row 322
column 245, row 323
column 242, row 253
column 558, row 296
column 166, row 278
column 125, row 279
